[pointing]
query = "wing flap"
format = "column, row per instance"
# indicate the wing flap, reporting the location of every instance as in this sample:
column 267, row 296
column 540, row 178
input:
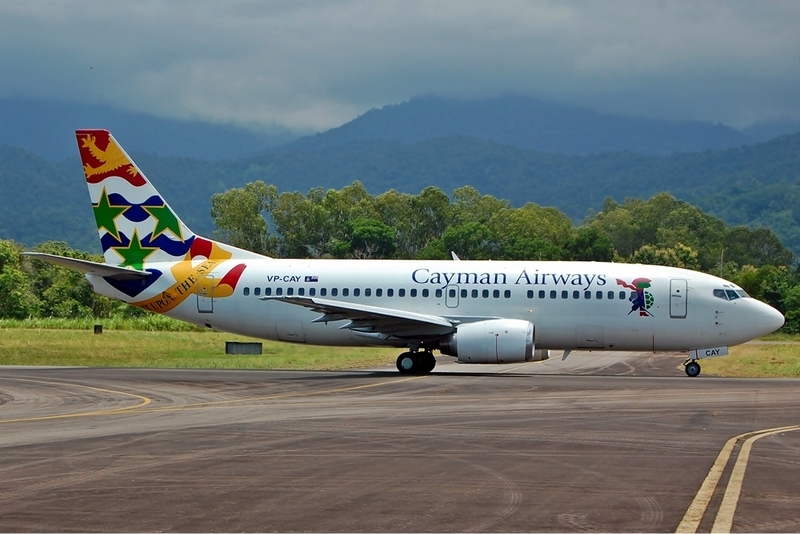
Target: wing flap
column 373, row 319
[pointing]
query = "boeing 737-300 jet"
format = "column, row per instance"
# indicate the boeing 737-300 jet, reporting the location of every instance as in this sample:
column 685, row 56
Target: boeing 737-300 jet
column 476, row 311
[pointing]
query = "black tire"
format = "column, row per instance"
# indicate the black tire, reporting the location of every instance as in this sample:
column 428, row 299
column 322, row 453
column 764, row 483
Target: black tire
column 407, row 363
column 692, row 369
column 428, row 362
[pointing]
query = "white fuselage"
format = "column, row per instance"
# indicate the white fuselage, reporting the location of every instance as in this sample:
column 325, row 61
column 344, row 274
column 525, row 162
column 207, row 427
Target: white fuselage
column 572, row 305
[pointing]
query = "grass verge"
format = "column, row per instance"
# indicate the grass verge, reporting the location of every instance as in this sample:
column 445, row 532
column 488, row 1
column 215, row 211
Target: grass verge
column 198, row 349
column 772, row 359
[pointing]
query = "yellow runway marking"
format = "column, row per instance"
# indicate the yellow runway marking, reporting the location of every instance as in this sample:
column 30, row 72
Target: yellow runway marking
column 526, row 364
column 727, row 508
column 145, row 402
column 298, row 394
column 694, row 514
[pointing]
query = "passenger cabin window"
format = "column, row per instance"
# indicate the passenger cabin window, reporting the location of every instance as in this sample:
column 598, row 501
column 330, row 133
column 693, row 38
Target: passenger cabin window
column 565, row 294
column 496, row 293
column 357, row 292
column 256, row 291
column 323, row 291
column 587, row 294
column 485, row 293
column 610, row 295
column 576, row 294
column 246, row 291
column 389, row 292
column 530, row 293
column 301, row 291
column 541, row 293
column 452, row 293
column 413, row 293
column 279, row 291
column 268, row 291
column 334, row 291
column 599, row 295
column 622, row 295
column 312, row 291
column 401, row 292
column 425, row 293
column 438, row 293
column 368, row 292
column 464, row 293
column 553, row 293
column 290, row 291
column 507, row 294
column 345, row 292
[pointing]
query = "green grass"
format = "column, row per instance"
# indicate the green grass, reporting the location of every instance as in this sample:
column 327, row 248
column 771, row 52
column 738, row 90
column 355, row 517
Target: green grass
column 151, row 322
column 158, row 341
column 776, row 359
column 196, row 349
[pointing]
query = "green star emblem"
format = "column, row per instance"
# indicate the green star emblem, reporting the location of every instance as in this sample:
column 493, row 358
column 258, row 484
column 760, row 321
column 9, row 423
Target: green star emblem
column 166, row 221
column 134, row 254
column 105, row 214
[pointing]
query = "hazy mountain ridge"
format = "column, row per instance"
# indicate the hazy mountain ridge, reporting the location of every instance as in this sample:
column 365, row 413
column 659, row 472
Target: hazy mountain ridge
column 47, row 128
column 530, row 123
column 757, row 184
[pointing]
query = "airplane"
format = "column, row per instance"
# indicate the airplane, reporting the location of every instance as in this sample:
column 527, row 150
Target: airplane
column 476, row 311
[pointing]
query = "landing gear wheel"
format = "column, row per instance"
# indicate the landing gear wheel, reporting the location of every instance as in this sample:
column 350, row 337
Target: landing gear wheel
column 407, row 363
column 428, row 362
column 692, row 369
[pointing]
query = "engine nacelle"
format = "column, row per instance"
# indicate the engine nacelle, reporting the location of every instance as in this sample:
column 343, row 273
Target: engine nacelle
column 493, row 341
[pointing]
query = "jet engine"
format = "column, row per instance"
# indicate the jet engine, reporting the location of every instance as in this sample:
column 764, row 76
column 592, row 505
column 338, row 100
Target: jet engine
column 492, row 341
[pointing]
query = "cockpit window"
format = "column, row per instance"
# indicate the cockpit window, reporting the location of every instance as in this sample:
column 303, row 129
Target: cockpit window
column 720, row 293
column 732, row 294
column 742, row 293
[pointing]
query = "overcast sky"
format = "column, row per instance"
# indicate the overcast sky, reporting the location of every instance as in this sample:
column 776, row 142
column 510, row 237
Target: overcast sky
column 310, row 66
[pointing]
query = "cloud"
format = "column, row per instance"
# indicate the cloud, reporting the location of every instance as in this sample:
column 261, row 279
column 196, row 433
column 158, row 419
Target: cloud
column 314, row 65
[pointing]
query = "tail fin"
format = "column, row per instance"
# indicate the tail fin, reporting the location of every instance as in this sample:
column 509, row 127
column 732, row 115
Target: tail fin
column 135, row 223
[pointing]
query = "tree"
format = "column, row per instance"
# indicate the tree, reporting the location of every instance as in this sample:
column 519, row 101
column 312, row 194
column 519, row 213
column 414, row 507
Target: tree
column 17, row 299
column 588, row 243
column 238, row 214
column 371, row 239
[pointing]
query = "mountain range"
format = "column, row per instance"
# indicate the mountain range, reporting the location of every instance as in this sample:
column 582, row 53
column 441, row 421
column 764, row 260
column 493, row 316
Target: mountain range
column 516, row 148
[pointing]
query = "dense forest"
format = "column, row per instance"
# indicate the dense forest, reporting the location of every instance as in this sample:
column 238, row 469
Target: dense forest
column 351, row 223
column 756, row 185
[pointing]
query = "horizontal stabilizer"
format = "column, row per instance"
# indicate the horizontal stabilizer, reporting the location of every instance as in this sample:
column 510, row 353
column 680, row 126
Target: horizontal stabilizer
column 90, row 267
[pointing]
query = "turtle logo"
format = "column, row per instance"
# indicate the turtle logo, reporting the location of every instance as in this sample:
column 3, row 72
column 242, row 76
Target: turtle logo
column 642, row 299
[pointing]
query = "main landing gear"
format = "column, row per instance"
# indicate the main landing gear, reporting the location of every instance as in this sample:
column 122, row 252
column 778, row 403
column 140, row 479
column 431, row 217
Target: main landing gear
column 416, row 363
column 691, row 367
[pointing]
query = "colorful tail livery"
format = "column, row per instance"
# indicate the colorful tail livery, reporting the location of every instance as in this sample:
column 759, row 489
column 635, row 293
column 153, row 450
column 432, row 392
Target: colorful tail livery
column 152, row 259
column 476, row 311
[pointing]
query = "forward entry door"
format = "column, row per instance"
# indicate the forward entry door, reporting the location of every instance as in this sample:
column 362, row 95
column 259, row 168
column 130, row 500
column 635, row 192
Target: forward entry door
column 677, row 299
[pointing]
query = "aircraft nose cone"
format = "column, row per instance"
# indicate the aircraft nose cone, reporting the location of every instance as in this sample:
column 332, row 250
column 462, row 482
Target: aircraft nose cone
column 770, row 319
column 776, row 319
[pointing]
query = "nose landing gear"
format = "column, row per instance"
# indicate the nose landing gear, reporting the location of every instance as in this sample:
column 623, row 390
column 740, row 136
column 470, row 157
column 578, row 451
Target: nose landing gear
column 416, row 363
column 691, row 367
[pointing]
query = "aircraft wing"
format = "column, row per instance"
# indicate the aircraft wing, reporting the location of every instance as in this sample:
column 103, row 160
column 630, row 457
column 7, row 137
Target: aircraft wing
column 373, row 319
column 90, row 267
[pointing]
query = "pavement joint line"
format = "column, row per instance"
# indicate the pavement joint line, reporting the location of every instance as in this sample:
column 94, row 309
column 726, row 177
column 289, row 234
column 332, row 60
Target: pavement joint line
column 520, row 367
column 299, row 394
column 110, row 411
column 697, row 509
column 139, row 408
